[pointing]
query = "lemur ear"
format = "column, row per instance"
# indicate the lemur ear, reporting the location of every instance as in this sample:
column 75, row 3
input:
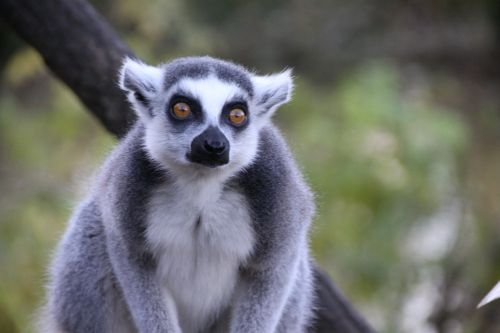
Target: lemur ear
column 141, row 82
column 271, row 91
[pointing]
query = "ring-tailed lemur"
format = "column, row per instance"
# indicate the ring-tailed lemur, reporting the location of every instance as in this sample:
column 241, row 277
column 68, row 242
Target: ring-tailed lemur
column 199, row 219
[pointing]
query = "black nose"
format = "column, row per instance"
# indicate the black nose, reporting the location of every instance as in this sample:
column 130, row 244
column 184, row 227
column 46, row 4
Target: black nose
column 214, row 146
column 210, row 148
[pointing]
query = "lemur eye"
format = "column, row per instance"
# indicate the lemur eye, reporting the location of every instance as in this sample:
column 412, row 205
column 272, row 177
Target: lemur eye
column 181, row 110
column 237, row 117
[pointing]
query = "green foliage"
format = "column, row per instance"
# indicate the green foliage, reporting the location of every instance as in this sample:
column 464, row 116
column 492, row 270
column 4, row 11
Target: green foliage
column 380, row 161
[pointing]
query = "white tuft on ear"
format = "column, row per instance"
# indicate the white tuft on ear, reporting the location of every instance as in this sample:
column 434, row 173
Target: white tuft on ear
column 141, row 82
column 271, row 91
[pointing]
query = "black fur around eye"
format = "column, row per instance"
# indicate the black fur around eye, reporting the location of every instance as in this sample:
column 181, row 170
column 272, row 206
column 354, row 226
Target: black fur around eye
column 236, row 114
column 182, row 108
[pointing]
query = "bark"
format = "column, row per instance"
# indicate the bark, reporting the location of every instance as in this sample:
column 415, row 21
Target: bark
column 82, row 50
column 334, row 312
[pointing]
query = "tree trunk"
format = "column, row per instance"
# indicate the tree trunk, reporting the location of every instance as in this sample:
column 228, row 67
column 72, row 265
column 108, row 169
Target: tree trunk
column 80, row 48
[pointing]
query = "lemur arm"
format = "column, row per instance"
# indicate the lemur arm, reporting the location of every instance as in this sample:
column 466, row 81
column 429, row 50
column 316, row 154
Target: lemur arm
column 149, row 306
column 126, row 189
column 282, row 206
column 266, row 290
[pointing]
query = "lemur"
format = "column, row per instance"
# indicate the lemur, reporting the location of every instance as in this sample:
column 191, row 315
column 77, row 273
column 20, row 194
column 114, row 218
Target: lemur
column 198, row 220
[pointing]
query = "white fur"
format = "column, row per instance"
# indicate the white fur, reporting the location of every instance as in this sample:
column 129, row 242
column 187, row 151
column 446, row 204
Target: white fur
column 146, row 79
column 278, row 87
column 170, row 148
column 198, row 263
column 212, row 94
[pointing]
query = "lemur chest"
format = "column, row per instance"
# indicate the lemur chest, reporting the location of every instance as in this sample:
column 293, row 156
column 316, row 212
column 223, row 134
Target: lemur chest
column 200, row 236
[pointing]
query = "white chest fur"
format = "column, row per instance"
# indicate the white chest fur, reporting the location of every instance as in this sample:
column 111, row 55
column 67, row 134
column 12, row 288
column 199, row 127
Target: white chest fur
column 200, row 234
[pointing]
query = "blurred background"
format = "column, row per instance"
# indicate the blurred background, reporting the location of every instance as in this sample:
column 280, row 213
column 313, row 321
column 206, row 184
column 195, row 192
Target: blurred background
column 395, row 121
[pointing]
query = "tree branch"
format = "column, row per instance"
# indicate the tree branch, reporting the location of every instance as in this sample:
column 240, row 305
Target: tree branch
column 82, row 50
column 334, row 313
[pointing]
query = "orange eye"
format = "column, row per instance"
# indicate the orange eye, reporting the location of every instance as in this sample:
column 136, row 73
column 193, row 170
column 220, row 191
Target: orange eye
column 181, row 110
column 237, row 117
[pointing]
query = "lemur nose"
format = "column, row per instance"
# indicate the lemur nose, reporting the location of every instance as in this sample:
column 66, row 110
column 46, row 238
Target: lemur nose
column 210, row 148
column 214, row 146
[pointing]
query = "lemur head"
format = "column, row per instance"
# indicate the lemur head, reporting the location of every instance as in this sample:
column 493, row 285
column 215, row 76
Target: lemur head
column 202, row 114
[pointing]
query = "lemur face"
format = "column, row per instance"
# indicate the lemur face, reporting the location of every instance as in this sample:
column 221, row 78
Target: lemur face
column 202, row 114
column 206, row 121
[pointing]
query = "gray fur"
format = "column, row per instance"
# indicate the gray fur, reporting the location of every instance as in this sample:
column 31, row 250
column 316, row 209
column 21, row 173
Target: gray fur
column 200, row 67
column 104, row 273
